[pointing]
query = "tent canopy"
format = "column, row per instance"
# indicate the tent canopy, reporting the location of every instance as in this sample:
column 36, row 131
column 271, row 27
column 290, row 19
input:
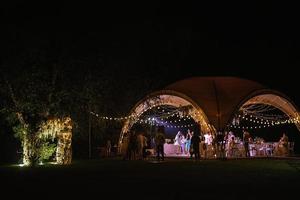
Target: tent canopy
column 219, row 97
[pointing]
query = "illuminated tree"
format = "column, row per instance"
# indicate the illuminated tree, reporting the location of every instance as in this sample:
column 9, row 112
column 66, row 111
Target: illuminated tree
column 35, row 90
column 35, row 108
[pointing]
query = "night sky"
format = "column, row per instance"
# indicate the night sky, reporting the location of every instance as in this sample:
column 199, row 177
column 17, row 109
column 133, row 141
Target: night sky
column 255, row 41
column 158, row 41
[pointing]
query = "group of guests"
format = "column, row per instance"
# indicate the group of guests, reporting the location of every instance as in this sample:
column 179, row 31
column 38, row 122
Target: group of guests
column 280, row 149
column 221, row 145
column 183, row 142
column 188, row 144
column 134, row 145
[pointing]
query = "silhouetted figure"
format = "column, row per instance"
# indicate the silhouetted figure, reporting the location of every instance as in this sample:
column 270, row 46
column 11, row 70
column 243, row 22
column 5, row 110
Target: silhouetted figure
column 231, row 147
column 125, row 146
column 219, row 145
column 195, row 140
column 246, row 139
column 108, row 148
column 159, row 142
column 132, row 146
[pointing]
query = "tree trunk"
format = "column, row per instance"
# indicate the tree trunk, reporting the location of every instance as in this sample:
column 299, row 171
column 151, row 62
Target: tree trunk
column 30, row 156
column 64, row 148
column 26, row 151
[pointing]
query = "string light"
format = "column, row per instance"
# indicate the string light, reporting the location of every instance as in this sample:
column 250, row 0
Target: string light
column 168, row 115
column 267, row 121
column 151, row 121
column 262, row 121
column 258, row 127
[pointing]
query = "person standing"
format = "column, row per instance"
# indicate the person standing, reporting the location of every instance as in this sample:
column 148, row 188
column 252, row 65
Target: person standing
column 246, row 138
column 231, row 145
column 159, row 142
column 132, row 146
column 283, row 143
column 141, row 145
column 188, row 141
column 125, row 146
column 195, row 141
column 177, row 142
column 219, row 145
column 108, row 148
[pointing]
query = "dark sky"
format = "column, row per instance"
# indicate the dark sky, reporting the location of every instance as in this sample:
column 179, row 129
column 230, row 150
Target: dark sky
column 250, row 40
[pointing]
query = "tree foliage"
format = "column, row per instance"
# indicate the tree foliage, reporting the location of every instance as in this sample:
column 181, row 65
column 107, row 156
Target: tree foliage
column 45, row 151
column 35, row 86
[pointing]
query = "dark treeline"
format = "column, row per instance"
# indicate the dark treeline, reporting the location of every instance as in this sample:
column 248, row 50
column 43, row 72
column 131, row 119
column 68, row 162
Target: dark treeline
column 75, row 88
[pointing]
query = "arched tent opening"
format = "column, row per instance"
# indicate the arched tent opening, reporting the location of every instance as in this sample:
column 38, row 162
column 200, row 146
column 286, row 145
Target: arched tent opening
column 278, row 101
column 267, row 114
column 178, row 128
column 167, row 98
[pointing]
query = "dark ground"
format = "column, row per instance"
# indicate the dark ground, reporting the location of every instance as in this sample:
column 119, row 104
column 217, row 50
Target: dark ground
column 172, row 179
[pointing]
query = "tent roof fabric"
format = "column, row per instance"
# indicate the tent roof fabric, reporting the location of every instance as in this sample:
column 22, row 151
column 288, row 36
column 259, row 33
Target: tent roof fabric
column 219, row 97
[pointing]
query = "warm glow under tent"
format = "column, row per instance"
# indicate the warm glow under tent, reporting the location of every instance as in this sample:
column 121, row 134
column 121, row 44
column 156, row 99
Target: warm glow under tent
column 215, row 99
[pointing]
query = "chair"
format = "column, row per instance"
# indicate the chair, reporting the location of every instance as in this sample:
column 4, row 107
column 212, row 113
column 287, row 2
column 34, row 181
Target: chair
column 252, row 150
column 269, row 150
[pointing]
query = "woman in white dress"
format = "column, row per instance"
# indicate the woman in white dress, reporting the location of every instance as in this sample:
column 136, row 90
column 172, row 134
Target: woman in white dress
column 177, row 142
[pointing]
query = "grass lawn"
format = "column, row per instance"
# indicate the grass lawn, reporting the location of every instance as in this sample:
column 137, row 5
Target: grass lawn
column 171, row 179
